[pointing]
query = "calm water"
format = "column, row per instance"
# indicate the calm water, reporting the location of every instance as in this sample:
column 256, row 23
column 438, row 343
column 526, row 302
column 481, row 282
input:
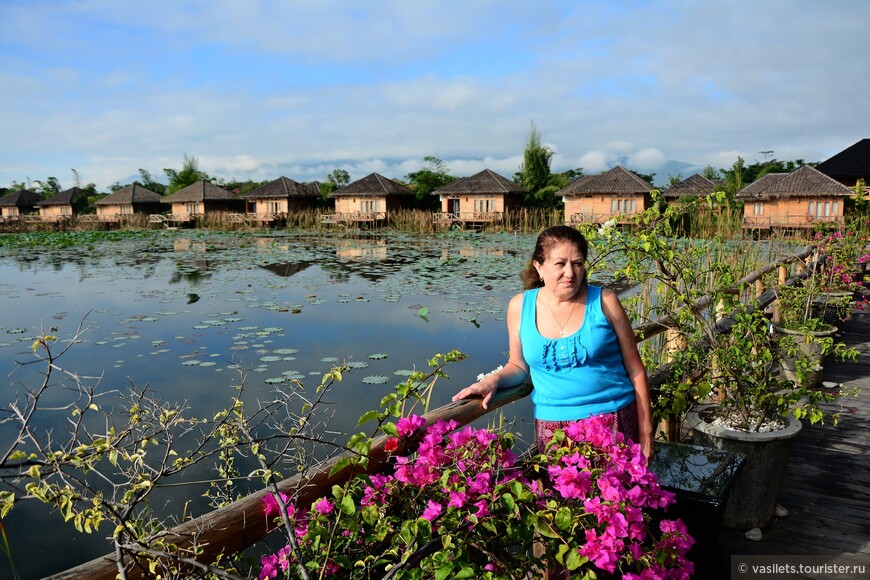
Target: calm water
column 180, row 312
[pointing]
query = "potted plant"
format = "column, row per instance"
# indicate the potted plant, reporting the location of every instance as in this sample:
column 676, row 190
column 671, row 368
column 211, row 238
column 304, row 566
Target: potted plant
column 754, row 411
column 806, row 326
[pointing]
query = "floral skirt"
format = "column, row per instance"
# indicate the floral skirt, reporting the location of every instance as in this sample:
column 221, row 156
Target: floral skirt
column 625, row 422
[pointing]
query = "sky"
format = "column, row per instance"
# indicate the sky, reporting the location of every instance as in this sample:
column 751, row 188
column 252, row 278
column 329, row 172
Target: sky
column 258, row 89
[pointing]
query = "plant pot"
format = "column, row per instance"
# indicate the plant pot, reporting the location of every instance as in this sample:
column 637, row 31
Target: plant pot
column 752, row 501
column 810, row 346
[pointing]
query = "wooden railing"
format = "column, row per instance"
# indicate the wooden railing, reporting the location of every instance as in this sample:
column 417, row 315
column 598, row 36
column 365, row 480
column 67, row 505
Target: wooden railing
column 239, row 525
column 353, row 217
column 468, row 216
column 597, row 218
column 788, row 221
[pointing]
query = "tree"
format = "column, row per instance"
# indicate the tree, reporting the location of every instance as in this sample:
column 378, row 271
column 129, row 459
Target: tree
column 535, row 169
column 148, row 183
column 338, row 178
column 711, row 173
column 47, row 188
column 188, row 175
column 435, row 174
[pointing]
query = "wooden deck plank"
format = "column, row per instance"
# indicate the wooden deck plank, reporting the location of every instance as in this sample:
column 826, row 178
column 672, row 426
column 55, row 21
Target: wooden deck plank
column 828, row 483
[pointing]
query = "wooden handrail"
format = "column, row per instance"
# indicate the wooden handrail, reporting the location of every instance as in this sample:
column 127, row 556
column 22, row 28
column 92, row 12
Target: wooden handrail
column 241, row 524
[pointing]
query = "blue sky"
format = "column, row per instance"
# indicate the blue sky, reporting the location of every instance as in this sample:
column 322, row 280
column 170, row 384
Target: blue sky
column 256, row 89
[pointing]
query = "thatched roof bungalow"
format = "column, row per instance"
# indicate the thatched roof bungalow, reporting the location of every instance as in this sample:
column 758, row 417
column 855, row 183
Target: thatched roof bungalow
column 201, row 198
column 280, row 197
column 611, row 194
column 369, row 200
column 693, row 186
column 130, row 200
column 800, row 199
column 64, row 205
column 850, row 165
column 478, row 199
column 21, row 202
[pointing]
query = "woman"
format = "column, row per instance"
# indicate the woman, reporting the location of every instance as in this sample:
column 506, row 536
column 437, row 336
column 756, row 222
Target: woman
column 577, row 343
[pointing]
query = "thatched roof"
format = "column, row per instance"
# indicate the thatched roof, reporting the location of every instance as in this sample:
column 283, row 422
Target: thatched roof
column 373, row 185
column 130, row 195
column 754, row 189
column 693, row 186
column 805, row 181
column 20, row 198
column 283, row 188
column 616, row 180
column 850, row 163
column 485, row 181
column 202, row 190
column 65, row 197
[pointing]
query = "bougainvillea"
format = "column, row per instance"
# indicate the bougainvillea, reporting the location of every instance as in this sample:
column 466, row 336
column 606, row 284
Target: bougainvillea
column 464, row 506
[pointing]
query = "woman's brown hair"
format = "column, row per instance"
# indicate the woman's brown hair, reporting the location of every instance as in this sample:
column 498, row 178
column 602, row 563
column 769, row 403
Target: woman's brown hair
column 547, row 239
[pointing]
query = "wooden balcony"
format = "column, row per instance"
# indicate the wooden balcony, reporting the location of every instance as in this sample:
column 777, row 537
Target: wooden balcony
column 355, row 217
column 464, row 218
column 801, row 221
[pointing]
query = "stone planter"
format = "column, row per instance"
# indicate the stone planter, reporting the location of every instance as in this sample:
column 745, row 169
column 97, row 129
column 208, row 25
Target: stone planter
column 753, row 497
column 808, row 342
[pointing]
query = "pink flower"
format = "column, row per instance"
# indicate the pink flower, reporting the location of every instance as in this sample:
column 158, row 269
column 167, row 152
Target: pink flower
column 407, row 426
column 324, row 507
column 432, row 511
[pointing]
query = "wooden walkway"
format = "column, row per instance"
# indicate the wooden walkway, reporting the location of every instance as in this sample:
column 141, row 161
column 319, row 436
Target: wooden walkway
column 827, row 489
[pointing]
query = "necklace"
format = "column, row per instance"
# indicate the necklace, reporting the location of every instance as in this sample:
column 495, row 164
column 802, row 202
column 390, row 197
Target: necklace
column 561, row 326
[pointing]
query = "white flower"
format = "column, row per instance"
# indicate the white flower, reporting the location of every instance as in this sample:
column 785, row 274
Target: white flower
column 481, row 376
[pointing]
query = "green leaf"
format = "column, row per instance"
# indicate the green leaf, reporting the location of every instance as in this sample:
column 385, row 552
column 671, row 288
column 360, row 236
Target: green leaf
column 367, row 416
column 467, row 572
column 347, row 506
column 443, row 572
column 574, row 560
column 341, row 464
column 564, row 519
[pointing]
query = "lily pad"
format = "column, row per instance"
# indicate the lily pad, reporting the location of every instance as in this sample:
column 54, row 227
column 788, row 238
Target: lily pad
column 378, row 356
column 375, row 380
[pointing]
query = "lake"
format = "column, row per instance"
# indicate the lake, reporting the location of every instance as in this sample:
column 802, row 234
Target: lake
column 182, row 312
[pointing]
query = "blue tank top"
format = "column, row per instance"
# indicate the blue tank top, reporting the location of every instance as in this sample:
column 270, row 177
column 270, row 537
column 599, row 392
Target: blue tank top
column 579, row 375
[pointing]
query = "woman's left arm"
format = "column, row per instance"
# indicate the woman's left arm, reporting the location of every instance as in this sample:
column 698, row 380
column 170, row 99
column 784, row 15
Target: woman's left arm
column 634, row 366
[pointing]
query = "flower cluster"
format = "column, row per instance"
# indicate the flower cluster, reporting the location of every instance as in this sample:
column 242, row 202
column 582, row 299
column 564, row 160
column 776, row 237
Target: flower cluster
column 464, row 505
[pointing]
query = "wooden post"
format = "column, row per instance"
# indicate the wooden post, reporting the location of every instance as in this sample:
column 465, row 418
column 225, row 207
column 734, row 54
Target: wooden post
column 675, row 341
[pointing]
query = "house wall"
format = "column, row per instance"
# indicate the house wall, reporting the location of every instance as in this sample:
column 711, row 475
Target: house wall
column 598, row 208
column 116, row 210
column 281, row 205
column 794, row 212
column 489, row 203
column 366, row 204
column 9, row 211
column 188, row 208
column 52, row 211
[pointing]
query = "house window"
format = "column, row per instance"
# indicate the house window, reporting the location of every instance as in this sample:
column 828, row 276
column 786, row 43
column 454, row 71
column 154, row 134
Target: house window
column 272, row 207
column 126, row 210
column 758, row 208
column 12, row 211
column 812, row 208
column 191, row 209
column 623, row 205
column 484, row 205
column 66, row 210
column 368, row 205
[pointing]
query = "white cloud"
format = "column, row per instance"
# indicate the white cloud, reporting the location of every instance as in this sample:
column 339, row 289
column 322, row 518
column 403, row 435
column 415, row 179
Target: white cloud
column 646, row 159
column 310, row 86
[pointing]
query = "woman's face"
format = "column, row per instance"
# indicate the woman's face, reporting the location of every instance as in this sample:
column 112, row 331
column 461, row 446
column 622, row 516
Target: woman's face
column 562, row 269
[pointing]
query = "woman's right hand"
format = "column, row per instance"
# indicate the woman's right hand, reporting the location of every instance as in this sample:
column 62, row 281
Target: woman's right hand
column 484, row 388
